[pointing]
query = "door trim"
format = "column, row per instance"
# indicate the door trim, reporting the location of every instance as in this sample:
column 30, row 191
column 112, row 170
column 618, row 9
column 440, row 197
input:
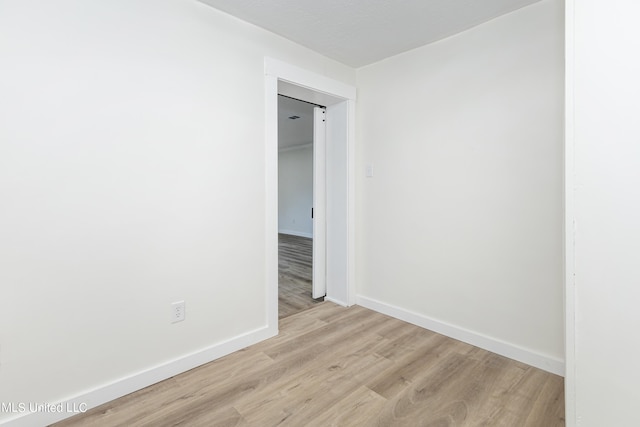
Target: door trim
column 303, row 84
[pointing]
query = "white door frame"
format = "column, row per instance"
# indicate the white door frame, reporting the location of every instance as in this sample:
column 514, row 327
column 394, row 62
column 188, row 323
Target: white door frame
column 324, row 91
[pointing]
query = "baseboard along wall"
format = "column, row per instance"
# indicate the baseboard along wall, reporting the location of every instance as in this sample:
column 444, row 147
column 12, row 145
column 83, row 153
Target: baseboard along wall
column 138, row 381
column 296, row 233
column 541, row 361
column 103, row 394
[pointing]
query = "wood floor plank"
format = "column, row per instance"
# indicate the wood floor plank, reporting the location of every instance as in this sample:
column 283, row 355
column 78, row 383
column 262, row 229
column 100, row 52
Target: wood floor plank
column 321, row 387
column 335, row 371
column 337, row 366
column 517, row 405
column 359, row 408
column 295, row 271
column 548, row 408
column 414, row 363
column 402, row 340
column 429, row 398
column 348, row 322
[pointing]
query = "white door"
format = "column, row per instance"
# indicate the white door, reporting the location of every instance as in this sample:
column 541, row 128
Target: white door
column 319, row 279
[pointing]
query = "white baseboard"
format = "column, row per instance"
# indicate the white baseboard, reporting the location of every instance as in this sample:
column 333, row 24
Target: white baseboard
column 296, row 233
column 512, row 351
column 335, row 301
column 135, row 382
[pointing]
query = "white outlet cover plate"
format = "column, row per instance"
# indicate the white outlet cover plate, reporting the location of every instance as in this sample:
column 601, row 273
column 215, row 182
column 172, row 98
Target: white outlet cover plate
column 177, row 311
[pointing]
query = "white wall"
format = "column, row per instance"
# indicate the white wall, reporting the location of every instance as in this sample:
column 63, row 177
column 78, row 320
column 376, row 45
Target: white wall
column 295, row 191
column 125, row 185
column 461, row 227
column 603, row 201
column 338, row 169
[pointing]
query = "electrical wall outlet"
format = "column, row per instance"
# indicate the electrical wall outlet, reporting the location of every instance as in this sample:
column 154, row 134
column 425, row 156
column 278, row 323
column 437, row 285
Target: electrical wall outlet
column 177, row 312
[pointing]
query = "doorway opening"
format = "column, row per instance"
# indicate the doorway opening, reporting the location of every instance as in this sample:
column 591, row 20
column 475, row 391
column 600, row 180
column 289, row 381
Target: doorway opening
column 338, row 211
column 301, row 146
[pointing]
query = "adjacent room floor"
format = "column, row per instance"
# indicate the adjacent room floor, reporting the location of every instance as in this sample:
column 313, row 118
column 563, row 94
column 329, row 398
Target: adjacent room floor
column 294, row 275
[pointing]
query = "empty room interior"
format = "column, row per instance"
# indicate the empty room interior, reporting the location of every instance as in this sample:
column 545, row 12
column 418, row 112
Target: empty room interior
column 474, row 233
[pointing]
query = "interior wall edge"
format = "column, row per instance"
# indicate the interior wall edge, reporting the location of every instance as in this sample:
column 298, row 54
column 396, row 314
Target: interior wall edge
column 569, row 231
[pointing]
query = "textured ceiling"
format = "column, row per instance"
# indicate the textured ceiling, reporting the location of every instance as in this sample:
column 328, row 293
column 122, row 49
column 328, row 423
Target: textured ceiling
column 361, row 32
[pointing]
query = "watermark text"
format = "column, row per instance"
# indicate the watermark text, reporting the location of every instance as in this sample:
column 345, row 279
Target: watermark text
column 30, row 407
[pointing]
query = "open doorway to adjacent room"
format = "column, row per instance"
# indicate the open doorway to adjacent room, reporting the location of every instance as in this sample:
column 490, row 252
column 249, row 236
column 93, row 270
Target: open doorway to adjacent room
column 297, row 143
column 333, row 270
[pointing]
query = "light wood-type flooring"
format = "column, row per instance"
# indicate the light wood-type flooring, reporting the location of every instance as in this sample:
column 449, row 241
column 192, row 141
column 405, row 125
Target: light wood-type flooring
column 294, row 274
column 336, row 366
